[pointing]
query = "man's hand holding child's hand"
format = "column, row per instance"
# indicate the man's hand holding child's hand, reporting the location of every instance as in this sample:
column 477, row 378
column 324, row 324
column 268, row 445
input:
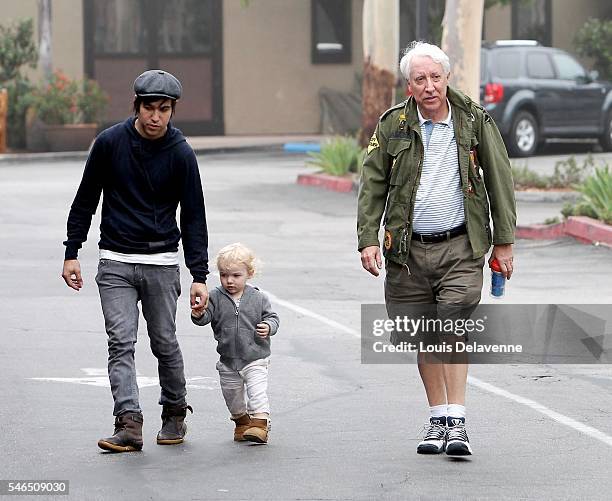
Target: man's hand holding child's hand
column 198, row 296
column 263, row 329
column 197, row 313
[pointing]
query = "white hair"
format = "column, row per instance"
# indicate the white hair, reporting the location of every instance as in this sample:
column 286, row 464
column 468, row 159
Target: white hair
column 423, row 49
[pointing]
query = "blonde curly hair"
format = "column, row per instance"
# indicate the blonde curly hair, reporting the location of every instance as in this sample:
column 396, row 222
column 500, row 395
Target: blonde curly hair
column 237, row 253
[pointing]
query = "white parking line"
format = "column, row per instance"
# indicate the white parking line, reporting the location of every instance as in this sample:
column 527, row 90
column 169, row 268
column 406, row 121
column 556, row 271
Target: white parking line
column 560, row 418
column 532, row 404
column 312, row 314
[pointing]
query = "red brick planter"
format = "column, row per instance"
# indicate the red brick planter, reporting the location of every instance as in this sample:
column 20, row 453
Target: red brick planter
column 70, row 137
column 541, row 231
column 342, row 184
column 584, row 229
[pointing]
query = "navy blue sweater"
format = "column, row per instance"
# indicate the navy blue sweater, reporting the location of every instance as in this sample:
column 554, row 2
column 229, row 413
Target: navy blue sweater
column 143, row 182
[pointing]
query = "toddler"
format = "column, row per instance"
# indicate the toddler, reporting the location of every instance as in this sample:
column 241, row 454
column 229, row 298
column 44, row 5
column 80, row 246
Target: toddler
column 242, row 321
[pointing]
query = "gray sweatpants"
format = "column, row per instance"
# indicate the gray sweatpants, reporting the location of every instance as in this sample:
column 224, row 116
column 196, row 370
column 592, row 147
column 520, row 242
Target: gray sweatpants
column 253, row 377
column 121, row 287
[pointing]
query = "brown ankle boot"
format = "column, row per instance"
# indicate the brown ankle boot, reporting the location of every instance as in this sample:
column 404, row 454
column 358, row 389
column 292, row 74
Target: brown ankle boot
column 127, row 436
column 258, row 432
column 242, row 424
column 173, row 428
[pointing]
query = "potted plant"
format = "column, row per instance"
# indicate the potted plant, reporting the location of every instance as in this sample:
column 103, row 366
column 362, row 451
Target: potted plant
column 68, row 112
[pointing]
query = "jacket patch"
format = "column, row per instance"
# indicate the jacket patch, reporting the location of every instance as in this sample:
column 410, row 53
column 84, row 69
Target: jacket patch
column 388, row 240
column 474, row 157
column 373, row 143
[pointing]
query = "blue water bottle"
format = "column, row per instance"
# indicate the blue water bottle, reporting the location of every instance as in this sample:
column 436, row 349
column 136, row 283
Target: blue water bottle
column 498, row 281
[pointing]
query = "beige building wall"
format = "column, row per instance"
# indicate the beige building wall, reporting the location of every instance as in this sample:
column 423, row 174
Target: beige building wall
column 498, row 23
column 270, row 85
column 66, row 35
column 568, row 16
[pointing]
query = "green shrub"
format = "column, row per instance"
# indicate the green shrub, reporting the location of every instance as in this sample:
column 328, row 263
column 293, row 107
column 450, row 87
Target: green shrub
column 594, row 40
column 568, row 173
column 339, row 156
column 62, row 100
column 92, row 101
column 19, row 91
column 17, row 49
column 596, row 193
column 596, row 197
column 580, row 208
column 525, row 178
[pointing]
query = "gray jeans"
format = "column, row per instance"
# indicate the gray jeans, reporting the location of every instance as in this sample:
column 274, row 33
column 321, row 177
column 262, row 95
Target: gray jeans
column 121, row 286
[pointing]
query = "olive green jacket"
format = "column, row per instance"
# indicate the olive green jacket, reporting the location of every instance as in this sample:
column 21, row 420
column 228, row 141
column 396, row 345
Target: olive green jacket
column 392, row 171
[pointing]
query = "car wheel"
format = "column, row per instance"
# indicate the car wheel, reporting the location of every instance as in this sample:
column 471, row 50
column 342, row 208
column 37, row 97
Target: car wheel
column 524, row 135
column 606, row 138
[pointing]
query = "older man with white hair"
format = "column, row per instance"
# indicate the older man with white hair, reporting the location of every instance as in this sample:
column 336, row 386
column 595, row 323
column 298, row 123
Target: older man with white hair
column 437, row 169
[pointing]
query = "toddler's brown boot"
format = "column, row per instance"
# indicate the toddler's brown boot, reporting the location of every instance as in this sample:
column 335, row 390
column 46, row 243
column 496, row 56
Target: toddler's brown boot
column 243, row 423
column 258, row 432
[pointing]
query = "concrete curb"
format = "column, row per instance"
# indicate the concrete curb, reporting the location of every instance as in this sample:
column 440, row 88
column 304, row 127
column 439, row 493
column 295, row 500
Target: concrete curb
column 21, row 158
column 546, row 196
column 583, row 229
column 81, row 156
column 341, row 184
column 238, row 149
column 520, row 196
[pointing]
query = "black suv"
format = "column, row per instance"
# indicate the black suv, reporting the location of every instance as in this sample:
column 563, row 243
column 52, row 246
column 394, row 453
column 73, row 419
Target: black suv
column 535, row 92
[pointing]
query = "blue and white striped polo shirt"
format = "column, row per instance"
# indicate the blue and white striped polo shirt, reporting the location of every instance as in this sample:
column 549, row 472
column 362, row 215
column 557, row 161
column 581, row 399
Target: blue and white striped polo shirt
column 439, row 200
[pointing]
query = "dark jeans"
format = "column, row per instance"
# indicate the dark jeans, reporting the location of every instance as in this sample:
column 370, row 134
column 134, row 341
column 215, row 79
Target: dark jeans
column 121, row 287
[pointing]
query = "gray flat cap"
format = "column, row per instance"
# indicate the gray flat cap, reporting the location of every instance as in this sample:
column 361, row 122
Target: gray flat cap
column 158, row 83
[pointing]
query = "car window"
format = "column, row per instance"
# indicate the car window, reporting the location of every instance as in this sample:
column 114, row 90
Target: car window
column 567, row 67
column 506, row 64
column 539, row 65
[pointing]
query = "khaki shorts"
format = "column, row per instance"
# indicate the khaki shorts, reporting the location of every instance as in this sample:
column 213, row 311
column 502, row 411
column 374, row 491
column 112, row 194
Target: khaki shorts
column 444, row 278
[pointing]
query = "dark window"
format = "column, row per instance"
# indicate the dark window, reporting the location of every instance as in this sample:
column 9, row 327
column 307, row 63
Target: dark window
column 331, row 31
column 539, row 66
column 506, row 64
column 120, row 27
column 185, row 27
column 531, row 20
column 568, row 68
column 180, row 27
column 409, row 18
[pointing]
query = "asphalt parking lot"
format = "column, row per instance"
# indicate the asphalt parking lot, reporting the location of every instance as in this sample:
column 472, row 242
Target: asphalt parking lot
column 340, row 429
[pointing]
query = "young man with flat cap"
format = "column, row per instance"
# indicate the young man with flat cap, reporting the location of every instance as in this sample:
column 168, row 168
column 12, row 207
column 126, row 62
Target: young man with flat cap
column 146, row 169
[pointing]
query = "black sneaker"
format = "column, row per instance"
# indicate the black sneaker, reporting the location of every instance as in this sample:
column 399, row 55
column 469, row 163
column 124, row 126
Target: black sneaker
column 434, row 439
column 457, row 442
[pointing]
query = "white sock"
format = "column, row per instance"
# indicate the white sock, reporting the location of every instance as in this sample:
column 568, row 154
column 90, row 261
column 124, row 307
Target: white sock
column 456, row 410
column 437, row 411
